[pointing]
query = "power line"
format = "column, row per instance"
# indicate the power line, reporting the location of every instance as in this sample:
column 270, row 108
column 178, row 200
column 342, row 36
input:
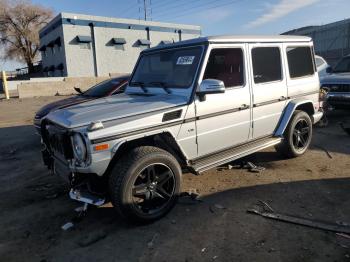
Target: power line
column 163, row 3
column 170, row 5
column 188, row 8
column 128, row 8
column 185, row 13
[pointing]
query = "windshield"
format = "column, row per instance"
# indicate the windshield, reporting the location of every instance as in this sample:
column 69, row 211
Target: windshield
column 105, row 88
column 319, row 61
column 170, row 68
column 343, row 65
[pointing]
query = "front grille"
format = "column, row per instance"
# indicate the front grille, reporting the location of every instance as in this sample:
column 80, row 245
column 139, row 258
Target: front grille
column 57, row 140
column 338, row 88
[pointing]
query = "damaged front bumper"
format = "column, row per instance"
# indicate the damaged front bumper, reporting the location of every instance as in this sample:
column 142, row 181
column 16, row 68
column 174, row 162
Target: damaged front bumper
column 86, row 197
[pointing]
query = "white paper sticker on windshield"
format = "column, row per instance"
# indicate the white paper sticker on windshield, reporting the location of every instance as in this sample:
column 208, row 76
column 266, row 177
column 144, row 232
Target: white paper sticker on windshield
column 185, row 60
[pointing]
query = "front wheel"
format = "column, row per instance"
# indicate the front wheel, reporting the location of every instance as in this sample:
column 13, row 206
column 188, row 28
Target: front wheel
column 144, row 185
column 298, row 135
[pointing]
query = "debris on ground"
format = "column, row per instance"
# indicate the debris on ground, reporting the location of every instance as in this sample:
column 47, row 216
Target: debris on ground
column 193, row 196
column 343, row 235
column 265, row 210
column 243, row 164
column 203, row 249
column 51, row 196
column 92, row 238
column 254, row 168
column 151, row 243
column 211, row 209
column 325, row 150
column 215, row 257
column 346, row 129
column 67, row 226
column 82, row 212
column 218, row 206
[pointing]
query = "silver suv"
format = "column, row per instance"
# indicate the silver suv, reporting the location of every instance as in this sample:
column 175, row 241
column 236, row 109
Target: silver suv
column 190, row 106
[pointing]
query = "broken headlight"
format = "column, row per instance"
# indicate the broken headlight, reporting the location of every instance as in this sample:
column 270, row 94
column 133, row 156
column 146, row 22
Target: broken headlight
column 79, row 147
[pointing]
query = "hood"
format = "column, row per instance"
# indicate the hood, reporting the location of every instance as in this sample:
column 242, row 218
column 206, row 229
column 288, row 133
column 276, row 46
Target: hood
column 112, row 108
column 61, row 104
column 336, row 78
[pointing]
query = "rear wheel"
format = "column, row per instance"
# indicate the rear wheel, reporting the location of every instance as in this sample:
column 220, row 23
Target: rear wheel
column 145, row 183
column 298, row 135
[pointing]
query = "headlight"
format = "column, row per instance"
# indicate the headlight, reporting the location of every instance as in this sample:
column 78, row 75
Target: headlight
column 79, row 147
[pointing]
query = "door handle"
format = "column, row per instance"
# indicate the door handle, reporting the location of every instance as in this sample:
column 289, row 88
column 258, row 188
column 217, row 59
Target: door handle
column 244, row 106
column 282, row 98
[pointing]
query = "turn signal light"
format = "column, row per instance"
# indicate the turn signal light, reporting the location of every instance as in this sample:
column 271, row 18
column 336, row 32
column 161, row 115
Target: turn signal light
column 101, row 147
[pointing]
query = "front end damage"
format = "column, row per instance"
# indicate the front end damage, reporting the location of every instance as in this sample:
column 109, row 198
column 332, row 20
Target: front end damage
column 59, row 157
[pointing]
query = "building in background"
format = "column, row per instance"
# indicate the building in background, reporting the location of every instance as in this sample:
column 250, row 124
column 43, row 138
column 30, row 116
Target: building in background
column 76, row 45
column 332, row 41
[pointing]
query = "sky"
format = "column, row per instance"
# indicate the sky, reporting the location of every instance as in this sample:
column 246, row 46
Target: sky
column 214, row 16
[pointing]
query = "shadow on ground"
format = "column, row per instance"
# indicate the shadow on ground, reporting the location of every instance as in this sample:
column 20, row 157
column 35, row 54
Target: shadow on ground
column 34, row 206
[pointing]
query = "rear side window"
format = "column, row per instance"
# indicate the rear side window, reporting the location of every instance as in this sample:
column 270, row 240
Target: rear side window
column 226, row 64
column 300, row 61
column 266, row 64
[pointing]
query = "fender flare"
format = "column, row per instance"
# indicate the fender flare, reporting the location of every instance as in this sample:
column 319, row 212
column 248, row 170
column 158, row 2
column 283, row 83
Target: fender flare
column 288, row 113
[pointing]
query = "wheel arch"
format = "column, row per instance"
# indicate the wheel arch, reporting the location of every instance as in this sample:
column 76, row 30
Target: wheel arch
column 299, row 104
column 164, row 140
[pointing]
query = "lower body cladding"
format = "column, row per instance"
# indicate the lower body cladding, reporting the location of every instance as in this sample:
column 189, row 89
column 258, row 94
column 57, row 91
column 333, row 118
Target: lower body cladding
column 339, row 100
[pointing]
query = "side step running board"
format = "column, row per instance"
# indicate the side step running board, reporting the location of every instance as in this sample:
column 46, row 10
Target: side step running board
column 228, row 155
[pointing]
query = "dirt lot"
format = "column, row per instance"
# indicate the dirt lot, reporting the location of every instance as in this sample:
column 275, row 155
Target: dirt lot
column 34, row 205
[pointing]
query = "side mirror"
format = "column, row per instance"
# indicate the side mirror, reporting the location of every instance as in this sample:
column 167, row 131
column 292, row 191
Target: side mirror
column 78, row 90
column 329, row 70
column 210, row 86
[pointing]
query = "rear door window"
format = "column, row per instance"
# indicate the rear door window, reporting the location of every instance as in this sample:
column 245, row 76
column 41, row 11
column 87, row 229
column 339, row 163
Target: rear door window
column 267, row 65
column 300, row 61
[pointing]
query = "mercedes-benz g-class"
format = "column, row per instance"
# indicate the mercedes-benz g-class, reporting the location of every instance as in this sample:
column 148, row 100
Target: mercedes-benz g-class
column 189, row 106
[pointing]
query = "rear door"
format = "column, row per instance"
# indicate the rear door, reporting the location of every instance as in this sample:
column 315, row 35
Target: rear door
column 224, row 120
column 269, row 87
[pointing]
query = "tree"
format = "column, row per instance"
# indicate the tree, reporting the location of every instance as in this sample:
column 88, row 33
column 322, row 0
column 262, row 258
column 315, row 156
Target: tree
column 20, row 22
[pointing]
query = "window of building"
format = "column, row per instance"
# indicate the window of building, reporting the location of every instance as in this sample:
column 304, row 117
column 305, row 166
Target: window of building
column 143, row 43
column 84, row 45
column 267, row 65
column 119, row 43
column 84, row 41
column 226, row 64
column 300, row 61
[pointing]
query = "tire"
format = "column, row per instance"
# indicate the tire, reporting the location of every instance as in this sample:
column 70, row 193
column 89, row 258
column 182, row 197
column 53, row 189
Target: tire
column 296, row 141
column 144, row 184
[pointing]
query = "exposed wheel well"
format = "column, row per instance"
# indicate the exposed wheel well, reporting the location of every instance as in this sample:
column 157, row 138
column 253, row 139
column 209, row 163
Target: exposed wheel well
column 164, row 140
column 307, row 107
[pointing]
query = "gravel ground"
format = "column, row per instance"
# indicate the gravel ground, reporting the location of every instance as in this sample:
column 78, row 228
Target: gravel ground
column 34, row 205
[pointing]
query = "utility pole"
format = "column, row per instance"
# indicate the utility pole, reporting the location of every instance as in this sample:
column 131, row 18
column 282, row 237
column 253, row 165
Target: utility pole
column 145, row 9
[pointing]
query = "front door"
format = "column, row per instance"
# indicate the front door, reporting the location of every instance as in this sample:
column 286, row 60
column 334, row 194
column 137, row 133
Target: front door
column 224, row 120
column 269, row 87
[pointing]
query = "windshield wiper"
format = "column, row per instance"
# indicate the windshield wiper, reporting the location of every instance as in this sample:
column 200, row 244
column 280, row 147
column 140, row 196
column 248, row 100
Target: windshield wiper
column 162, row 85
column 140, row 84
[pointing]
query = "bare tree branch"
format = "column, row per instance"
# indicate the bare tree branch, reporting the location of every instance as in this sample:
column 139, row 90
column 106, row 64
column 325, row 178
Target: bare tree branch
column 20, row 22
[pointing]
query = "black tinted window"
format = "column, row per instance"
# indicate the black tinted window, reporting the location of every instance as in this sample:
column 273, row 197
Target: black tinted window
column 266, row 64
column 226, row 65
column 300, row 61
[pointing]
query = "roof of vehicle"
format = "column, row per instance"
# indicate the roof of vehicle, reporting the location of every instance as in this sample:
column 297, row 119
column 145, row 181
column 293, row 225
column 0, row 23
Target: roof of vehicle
column 236, row 39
